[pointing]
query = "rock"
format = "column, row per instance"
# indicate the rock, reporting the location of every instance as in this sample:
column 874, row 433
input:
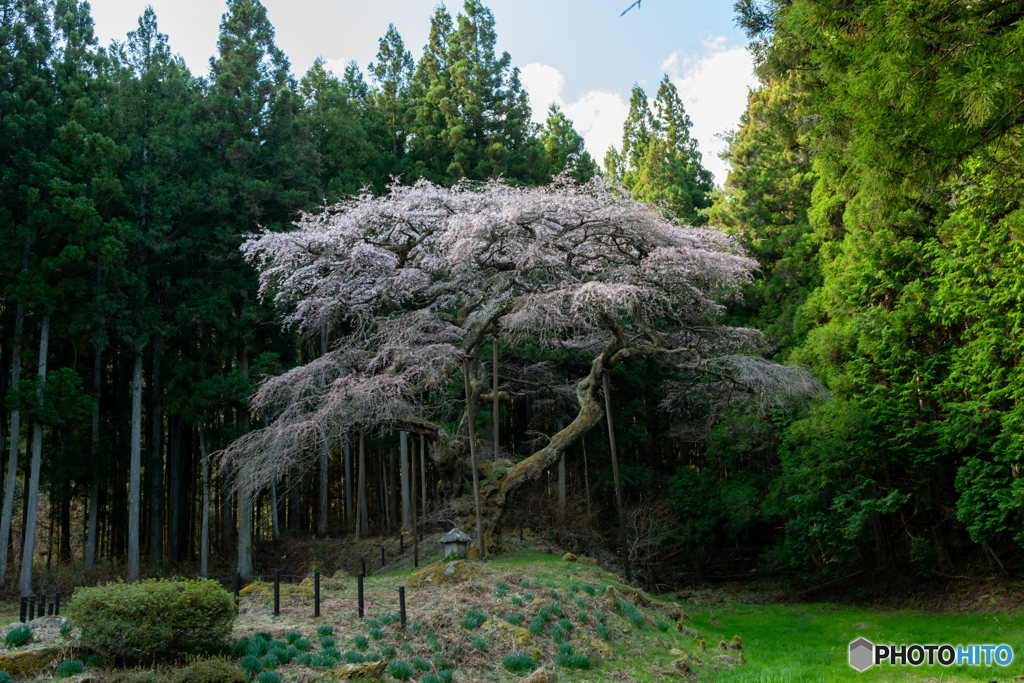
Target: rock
column 262, row 589
column 542, row 676
column 48, row 622
column 440, row 573
column 347, row 672
column 703, row 644
column 32, row 660
column 736, row 644
column 500, row 628
column 599, row 647
column 568, row 557
column 723, row 645
column 677, row 654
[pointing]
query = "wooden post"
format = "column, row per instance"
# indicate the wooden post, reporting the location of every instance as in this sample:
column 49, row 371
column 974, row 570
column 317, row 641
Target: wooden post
column 470, row 420
column 277, row 592
column 316, row 594
column 615, row 473
column 359, row 579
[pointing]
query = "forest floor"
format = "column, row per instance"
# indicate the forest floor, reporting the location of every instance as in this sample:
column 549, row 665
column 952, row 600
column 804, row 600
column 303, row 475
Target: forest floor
column 782, row 641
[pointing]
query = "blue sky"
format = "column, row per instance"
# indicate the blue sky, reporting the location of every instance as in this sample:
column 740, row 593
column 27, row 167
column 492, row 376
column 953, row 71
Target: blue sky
column 578, row 53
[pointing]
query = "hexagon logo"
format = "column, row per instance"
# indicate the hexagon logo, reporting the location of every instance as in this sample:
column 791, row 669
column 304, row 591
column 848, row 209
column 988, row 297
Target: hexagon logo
column 862, row 654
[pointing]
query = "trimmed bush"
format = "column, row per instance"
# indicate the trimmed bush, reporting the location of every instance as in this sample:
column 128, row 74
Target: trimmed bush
column 153, row 617
column 269, row 677
column 420, row 664
column 400, row 670
column 251, row 664
column 518, row 662
column 18, row 636
column 213, row 670
column 325, row 630
column 71, row 667
column 480, row 643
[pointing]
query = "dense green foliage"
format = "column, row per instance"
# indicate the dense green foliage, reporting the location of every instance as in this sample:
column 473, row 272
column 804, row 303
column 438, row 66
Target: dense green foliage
column 153, row 617
column 872, row 177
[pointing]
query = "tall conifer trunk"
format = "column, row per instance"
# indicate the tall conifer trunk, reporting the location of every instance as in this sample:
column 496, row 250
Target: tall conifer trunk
column 94, row 452
column 134, row 468
column 156, row 468
column 32, row 504
column 204, row 536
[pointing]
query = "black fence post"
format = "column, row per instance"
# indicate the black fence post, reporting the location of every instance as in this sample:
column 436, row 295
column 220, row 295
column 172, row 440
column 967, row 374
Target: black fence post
column 56, row 606
column 316, row 594
column 277, row 592
column 360, row 580
column 401, row 604
column 50, row 609
column 42, row 605
column 31, row 607
column 364, row 566
column 238, row 588
column 24, row 609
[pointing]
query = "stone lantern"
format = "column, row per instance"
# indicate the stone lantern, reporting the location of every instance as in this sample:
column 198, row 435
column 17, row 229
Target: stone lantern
column 456, row 544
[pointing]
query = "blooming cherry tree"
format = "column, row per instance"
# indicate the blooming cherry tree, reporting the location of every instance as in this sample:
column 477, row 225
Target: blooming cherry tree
column 423, row 276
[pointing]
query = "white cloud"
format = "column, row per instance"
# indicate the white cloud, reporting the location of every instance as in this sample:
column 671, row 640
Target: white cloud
column 337, row 66
column 597, row 116
column 713, row 87
column 714, row 90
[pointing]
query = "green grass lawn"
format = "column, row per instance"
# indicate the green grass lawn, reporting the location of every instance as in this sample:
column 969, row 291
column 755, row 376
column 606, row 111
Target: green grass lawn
column 809, row 642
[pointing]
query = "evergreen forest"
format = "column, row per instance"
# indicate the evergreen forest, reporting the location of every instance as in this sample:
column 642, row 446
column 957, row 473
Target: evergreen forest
column 873, row 178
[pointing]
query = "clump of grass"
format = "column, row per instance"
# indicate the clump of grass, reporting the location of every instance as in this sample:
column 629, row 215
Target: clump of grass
column 439, row 662
column 372, row 623
column 589, row 589
column 480, row 643
column 514, row 619
column 544, row 613
column 582, row 616
column 629, row 611
column 361, row 642
column 353, row 657
column 325, row 630
column 264, row 635
column 525, row 583
column 557, row 634
column 332, row 652
column 292, row 636
column 430, row 678
column 406, row 647
column 269, row 677
column 573, row 587
column 5, row 677
column 304, row 658
column 555, row 611
column 326, row 642
column 65, row 630
column 71, row 667
column 603, row 631
column 372, row 657
column 18, row 636
column 473, row 619
column 400, row 670
column 94, row 661
column 389, row 652
column 663, row 625
column 517, row 601
column 599, row 617
column 565, row 624
column 270, row 662
column 376, row 633
column 502, row 586
column 251, row 664
column 536, row 626
column 528, row 597
column 302, row 645
column 554, row 594
column 420, row 664
column 518, row 662
column 445, row 675
column 416, row 627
